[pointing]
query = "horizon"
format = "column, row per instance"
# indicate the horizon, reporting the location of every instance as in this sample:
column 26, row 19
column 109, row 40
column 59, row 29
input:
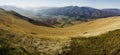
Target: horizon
column 99, row 4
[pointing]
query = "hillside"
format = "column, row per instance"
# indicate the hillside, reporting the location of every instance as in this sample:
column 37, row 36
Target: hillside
column 14, row 43
column 13, row 22
column 97, row 26
column 105, row 44
column 80, row 13
column 19, row 35
column 68, row 12
column 63, row 16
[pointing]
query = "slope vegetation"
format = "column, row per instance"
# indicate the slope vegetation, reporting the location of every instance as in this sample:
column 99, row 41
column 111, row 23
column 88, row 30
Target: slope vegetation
column 105, row 44
column 97, row 27
column 12, row 43
column 13, row 22
column 18, row 24
column 19, row 36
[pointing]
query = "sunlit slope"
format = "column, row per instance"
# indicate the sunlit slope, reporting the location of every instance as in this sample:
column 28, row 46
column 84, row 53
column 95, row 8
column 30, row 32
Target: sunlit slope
column 17, row 24
column 105, row 44
column 96, row 27
column 14, row 23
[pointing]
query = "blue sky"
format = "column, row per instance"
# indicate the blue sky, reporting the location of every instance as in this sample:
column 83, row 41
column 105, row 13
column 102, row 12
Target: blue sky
column 61, row 3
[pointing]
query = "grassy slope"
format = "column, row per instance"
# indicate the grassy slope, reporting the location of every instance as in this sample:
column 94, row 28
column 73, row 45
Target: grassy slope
column 12, row 43
column 97, row 27
column 11, row 22
column 105, row 44
column 19, row 37
column 14, row 23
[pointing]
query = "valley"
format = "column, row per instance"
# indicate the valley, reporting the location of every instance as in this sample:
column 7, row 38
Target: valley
column 92, row 28
column 20, row 35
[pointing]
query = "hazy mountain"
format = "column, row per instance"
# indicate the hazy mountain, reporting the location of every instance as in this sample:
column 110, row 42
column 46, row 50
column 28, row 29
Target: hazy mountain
column 10, row 14
column 16, row 21
column 112, row 10
column 22, row 11
column 80, row 12
column 63, row 16
column 70, row 11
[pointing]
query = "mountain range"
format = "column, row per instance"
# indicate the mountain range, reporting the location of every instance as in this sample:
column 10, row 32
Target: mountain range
column 81, row 12
column 63, row 16
column 14, row 21
column 21, row 35
column 70, row 11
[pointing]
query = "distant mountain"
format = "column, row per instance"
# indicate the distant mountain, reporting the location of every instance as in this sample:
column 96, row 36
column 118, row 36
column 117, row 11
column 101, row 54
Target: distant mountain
column 70, row 11
column 24, row 12
column 63, row 16
column 111, row 10
column 80, row 12
column 14, row 21
column 10, row 14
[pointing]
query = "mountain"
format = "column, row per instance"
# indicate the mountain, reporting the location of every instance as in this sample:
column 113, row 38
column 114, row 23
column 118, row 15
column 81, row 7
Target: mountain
column 112, row 10
column 80, row 12
column 63, row 16
column 24, row 18
column 31, row 13
column 20, row 24
column 22, row 11
column 14, row 21
column 18, row 35
column 85, row 13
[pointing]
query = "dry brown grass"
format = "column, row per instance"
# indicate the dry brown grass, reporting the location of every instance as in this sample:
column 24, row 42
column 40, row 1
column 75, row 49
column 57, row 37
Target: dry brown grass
column 11, row 22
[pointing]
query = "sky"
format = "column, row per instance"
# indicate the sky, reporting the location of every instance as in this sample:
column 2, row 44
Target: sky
column 61, row 3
